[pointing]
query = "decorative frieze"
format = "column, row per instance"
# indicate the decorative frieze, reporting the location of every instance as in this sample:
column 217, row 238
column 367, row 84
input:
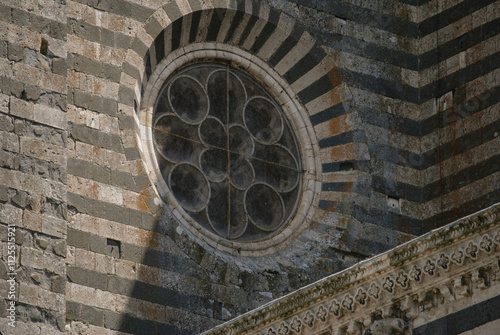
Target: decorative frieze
column 385, row 294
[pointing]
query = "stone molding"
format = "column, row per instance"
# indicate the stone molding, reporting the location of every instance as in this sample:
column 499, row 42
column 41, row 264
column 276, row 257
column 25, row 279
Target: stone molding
column 433, row 272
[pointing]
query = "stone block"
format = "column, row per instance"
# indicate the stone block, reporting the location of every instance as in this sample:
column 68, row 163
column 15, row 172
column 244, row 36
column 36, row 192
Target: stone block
column 9, row 160
column 92, row 315
column 20, row 17
column 53, row 117
column 119, row 285
column 29, row 294
column 97, row 138
column 97, row 244
column 73, row 310
column 16, row 52
column 9, row 141
column 105, row 264
column 132, row 252
column 4, row 103
column 22, row 199
column 14, row 87
column 32, row 92
column 6, row 123
column 54, row 264
column 5, row 13
column 31, row 258
column 136, row 218
column 172, row 11
column 139, row 12
column 108, row 37
column 153, row 27
column 85, row 259
column 54, row 226
column 59, row 66
column 123, row 179
column 150, row 221
column 81, row 98
column 19, row 127
column 126, row 96
column 126, row 269
column 111, row 72
column 142, row 182
column 4, row 190
column 58, row 284
column 87, row 278
column 132, row 153
column 32, row 221
column 112, row 320
column 3, row 306
column 91, row 171
column 84, row 30
column 83, row 64
column 110, row 212
column 109, row 107
column 42, row 242
column 47, row 299
column 10, row 214
column 110, row 194
column 60, row 248
column 126, row 122
column 3, row 231
column 122, row 41
column 78, row 239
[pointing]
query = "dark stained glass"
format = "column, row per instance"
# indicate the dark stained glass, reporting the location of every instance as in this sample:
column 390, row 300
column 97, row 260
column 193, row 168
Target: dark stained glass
column 227, row 152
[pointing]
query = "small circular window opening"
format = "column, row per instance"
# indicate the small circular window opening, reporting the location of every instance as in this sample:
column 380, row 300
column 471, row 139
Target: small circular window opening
column 227, row 152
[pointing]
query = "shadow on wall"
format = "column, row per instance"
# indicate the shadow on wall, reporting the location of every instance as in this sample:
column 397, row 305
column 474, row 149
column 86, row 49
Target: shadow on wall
column 170, row 295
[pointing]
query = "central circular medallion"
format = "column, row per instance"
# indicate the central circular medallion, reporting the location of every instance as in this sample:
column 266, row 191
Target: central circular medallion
column 227, row 152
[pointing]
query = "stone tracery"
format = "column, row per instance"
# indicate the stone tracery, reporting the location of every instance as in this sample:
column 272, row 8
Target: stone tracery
column 227, row 152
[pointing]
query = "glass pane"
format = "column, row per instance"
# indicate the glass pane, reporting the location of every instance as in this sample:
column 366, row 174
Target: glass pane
column 227, row 152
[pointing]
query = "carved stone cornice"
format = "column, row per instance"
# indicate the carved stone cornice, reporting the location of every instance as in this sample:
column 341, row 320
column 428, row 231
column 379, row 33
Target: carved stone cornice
column 438, row 268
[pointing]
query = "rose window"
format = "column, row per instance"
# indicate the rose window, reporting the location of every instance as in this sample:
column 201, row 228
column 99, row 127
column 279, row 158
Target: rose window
column 227, row 152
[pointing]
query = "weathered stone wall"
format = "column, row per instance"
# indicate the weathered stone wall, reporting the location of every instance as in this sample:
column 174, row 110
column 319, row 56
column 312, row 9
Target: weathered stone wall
column 422, row 81
column 33, row 156
column 401, row 96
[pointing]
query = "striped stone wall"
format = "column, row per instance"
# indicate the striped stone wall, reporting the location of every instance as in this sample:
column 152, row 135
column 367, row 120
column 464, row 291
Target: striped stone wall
column 422, row 81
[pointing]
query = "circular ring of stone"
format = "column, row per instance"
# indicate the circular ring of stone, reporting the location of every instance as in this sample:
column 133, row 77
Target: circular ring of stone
column 307, row 196
column 229, row 134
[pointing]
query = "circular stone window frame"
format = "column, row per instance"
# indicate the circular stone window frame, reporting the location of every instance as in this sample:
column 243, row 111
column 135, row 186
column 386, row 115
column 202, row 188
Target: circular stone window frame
column 291, row 107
